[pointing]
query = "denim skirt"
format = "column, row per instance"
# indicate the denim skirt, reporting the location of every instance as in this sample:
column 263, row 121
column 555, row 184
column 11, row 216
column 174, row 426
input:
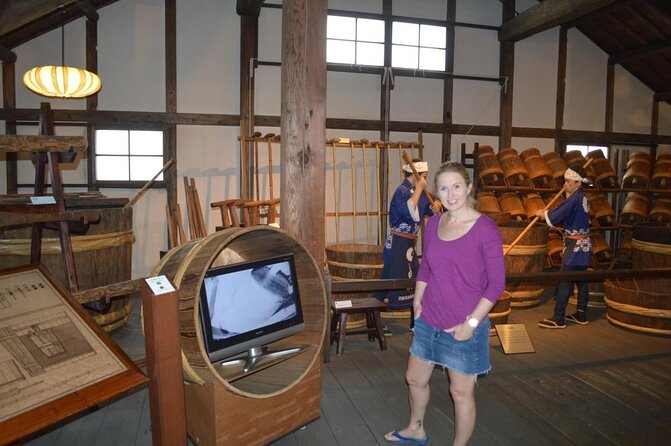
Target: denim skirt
column 470, row 357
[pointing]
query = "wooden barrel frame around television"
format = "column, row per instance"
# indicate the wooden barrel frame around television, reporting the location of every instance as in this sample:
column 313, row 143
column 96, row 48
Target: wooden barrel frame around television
column 282, row 397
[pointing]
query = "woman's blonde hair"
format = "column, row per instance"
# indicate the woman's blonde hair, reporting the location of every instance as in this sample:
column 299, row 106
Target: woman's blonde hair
column 456, row 167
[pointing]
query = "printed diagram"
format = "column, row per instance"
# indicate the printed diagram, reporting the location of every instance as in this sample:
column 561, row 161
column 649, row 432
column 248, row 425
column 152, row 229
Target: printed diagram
column 46, row 349
column 41, row 344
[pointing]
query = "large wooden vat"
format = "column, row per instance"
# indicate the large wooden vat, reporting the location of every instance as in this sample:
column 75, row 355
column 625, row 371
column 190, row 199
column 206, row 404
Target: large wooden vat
column 500, row 311
column 261, row 407
column 527, row 256
column 642, row 305
column 102, row 256
column 651, row 245
column 353, row 261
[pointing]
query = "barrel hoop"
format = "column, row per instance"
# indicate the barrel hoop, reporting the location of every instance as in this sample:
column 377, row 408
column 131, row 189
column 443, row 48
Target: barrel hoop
column 355, row 265
column 656, row 248
column 80, row 243
column 637, row 327
column 524, row 294
column 526, row 250
column 641, row 311
column 501, row 314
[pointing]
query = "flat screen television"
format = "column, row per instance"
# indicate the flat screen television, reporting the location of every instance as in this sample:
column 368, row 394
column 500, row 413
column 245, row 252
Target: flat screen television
column 245, row 306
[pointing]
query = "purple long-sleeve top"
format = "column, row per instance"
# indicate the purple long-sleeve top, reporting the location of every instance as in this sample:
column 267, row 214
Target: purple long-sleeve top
column 460, row 272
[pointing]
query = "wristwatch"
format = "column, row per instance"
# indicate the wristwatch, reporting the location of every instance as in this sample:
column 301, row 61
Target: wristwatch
column 473, row 322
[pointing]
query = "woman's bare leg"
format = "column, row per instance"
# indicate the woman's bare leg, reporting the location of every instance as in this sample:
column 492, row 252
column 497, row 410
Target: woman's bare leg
column 417, row 376
column 462, row 389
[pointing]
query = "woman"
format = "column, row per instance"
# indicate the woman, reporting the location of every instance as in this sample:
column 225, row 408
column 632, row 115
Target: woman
column 573, row 213
column 460, row 279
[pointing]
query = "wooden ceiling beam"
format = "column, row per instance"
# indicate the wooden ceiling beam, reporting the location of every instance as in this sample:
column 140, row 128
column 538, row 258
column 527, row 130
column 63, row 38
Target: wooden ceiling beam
column 662, row 96
column 88, row 9
column 643, row 51
column 249, row 7
column 599, row 13
column 17, row 14
column 7, row 55
column 546, row 15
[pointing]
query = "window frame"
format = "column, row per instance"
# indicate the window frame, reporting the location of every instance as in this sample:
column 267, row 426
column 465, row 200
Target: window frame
column 126, row 184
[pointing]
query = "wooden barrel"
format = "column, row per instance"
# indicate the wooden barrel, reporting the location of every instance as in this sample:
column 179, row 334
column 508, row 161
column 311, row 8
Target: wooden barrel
column 533, row 203
column 557, row 202
column 539, row 172
column 605, row 175
column 660, row 211
column 634, row 209
column 186, row 266
column 661, row 175
column 573, row 157
column 353, row 261
column 489, row 169
column 651, row 245
column 513, row 168
column 103, row 255
column 557, row 166
column 637, row 174
column 600, row 209
column 488, row 203
column 642, row 305
column 596, row 295
column 555, row 249
column 500, row 311
column 510, row 202
column 527, row 256
column 624, row 248
column 639, row 156
column 602, row 253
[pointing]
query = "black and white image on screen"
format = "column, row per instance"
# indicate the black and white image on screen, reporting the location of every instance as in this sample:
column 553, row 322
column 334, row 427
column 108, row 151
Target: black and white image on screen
column 249, row 299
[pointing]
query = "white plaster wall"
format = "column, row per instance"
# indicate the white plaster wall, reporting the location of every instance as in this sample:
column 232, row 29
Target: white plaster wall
column 208, row 55
column 482, row 12
column 373, row 6
column 535, row 84
column 354, row 95
column 632, row 105
column 475, row 102
column 131, row 56
column 476, row 52
column 416, row 99
column 585, row 99
column 544, row 145
column 425, row 9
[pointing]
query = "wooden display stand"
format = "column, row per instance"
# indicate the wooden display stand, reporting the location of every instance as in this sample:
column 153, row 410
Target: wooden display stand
column 263, row 406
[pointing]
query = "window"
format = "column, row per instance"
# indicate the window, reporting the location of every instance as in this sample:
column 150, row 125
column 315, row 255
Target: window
column 352, row 40
column 586, row 149
column 417, row 46
column 128, row 155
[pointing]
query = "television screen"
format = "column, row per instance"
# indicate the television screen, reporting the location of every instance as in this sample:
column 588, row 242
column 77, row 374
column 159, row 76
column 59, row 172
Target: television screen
column 247, row 305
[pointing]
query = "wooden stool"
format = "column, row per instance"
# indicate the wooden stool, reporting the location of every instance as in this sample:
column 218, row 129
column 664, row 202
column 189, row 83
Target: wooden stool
column 371, row 307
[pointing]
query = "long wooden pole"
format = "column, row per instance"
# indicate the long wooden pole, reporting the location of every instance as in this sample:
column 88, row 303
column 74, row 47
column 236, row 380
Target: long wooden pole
column 409, row 162
column 535, row 219
column 141, row 192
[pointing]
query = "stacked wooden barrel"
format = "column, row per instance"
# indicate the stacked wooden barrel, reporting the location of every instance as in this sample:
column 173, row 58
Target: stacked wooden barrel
column 637, row 174
column 539, row 172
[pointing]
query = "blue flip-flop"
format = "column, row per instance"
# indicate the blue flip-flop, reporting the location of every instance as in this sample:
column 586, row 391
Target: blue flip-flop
column 400, row 439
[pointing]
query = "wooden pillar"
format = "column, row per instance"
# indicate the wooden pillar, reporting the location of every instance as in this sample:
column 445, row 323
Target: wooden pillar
column 9, row 103
column 561, row 87
column 91, row 101
column 303, row 122
column 164, row 363
column 249, row 50
column 170, row 133
column 506, row 71
column 385, row 105
column 448, row 84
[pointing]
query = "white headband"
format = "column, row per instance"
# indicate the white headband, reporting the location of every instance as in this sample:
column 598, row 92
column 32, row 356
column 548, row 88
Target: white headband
column 571, row 174
column 420, row 166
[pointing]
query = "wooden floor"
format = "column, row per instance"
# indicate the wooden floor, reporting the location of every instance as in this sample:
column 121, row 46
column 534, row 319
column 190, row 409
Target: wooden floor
column 585, row 385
